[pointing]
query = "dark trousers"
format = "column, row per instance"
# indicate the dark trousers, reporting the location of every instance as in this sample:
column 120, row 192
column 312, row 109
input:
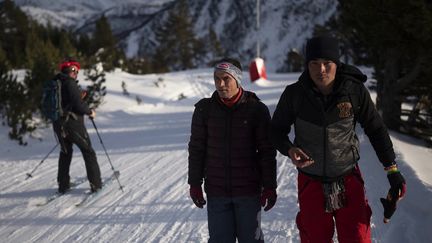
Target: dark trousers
column 74, row 132
column 231, row 218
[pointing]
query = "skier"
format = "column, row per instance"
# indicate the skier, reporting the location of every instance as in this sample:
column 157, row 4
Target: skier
column 230, row 151
column 324, row 106
column 70, row 129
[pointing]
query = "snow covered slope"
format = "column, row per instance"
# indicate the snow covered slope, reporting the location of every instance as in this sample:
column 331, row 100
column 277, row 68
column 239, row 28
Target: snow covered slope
column 147, row 142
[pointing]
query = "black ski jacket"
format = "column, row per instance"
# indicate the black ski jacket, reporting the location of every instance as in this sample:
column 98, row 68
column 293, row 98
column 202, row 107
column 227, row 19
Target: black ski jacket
column 71, row 96
column 325, row 125
column 230, row 148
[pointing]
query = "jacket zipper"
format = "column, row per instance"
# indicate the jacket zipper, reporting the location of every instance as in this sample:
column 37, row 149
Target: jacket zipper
column 228, row 188
column 325, row 148
column 324, row 112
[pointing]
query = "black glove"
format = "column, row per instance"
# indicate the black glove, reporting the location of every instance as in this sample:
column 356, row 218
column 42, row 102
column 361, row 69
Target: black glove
column 396, row 192
column 268, row 198
column 197, row 196
column 397, row 185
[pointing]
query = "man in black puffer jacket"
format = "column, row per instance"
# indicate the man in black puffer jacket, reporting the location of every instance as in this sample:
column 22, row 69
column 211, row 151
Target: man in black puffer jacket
column 324, row 106
column 230, row 151
column 70, row 129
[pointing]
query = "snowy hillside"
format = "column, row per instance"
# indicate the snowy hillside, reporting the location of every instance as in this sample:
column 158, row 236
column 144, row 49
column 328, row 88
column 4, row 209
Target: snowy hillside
column 284, row 25
column 147, row 143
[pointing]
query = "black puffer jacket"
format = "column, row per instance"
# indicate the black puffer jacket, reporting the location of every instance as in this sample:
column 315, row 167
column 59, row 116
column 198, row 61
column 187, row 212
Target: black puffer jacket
column 325, row 125
column 230, row 149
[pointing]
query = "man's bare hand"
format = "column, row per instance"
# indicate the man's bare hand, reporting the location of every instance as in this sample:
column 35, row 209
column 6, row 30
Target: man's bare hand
column 93, row 114
column 300, row 158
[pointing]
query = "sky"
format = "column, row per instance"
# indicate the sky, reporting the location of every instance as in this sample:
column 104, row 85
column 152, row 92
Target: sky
column 147, row 143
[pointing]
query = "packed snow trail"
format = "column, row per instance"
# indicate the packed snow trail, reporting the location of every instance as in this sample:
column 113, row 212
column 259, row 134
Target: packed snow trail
column 147, row 143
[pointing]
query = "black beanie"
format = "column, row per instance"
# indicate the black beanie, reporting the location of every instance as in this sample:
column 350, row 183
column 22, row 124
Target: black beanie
column 324, row 47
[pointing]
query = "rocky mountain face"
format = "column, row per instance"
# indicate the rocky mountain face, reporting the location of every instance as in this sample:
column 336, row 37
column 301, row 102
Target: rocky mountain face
column 284, row 25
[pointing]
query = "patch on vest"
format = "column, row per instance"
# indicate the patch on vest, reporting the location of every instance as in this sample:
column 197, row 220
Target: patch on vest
column 345, row 109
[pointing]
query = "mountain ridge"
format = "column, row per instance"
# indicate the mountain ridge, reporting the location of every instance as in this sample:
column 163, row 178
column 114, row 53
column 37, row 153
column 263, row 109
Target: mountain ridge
column 284, row 25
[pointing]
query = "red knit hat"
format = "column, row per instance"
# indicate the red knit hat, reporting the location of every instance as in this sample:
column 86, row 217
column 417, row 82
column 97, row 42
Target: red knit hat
column 67, row 63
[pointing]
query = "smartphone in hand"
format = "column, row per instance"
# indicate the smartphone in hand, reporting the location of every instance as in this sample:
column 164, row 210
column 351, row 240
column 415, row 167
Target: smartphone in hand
column 304, row 162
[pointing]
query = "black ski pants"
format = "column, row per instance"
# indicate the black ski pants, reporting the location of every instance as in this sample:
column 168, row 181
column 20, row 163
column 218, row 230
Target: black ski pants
column 72, row 132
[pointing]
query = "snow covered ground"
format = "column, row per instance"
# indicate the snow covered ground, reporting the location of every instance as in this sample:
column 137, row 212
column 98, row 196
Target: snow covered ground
column 147, row 143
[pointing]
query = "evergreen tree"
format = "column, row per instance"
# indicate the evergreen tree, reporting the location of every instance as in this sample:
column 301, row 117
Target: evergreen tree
column 138, row 66
column 43, row 68
column 294, row 62
column 65, row 45
column 83, row 45
column 104, row 45
column 103, row 36
column 20, row 100
column 13, row 30
column 4, row 70
column 178, row 48
column 96, row 91
column 394, row 37
column 215, row 46
column 13, row 104
column 4, row 65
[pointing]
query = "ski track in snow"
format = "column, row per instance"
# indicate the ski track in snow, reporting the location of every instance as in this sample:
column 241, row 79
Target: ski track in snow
column 147, row 143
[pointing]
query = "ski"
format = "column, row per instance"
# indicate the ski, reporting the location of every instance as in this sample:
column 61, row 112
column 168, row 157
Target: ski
column 57, row 194
column 91, row 195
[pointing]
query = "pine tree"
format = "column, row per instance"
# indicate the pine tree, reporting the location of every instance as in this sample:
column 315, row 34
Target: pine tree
column 20, row 100
column 394, row 37
column 4, row 77
column 13, row 30
column 65, row 45
column 138, row 66
column 83, row 45
column 294, row 61
column 104, row 45
column 13, row 104
column 42, row 61
column 178, row 48
column 96, row 91
column 214, row 45
column 103, row 36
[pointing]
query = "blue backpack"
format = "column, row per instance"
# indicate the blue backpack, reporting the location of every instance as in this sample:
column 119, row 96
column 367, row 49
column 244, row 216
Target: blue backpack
column 51, row 100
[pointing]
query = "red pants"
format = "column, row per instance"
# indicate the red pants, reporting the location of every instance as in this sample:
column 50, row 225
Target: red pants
column 352, row 221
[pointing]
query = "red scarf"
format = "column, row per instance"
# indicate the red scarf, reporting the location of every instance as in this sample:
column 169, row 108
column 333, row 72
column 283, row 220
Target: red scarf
column 230, row 102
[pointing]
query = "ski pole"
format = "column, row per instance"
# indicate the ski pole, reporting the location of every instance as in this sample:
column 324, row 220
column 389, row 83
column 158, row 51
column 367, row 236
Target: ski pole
column 116, row 173
column 46, row 156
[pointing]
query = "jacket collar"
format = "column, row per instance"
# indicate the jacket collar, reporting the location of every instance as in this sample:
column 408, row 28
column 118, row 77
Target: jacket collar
column 245, row 96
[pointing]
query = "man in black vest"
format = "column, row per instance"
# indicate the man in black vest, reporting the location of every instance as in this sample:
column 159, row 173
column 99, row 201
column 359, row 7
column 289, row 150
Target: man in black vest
column 324, row 106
